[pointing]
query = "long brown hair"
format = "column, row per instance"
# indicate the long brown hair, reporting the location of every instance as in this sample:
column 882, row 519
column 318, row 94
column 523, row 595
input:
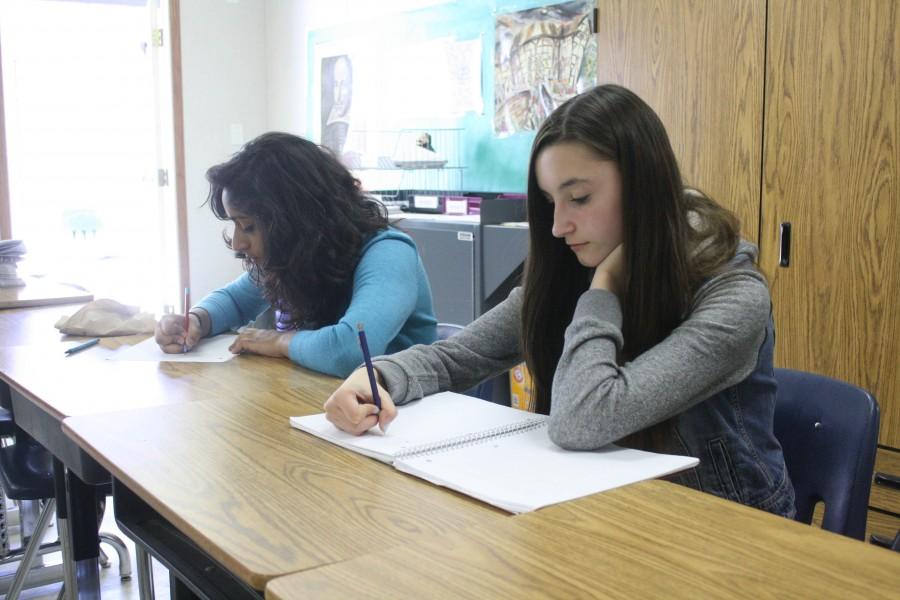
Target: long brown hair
column 666, row 256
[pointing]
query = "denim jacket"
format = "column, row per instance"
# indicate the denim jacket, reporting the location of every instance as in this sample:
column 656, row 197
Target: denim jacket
column 732, row 435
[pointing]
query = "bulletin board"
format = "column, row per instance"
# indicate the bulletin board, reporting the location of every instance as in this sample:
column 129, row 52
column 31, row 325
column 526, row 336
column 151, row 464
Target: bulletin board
column 401, row 51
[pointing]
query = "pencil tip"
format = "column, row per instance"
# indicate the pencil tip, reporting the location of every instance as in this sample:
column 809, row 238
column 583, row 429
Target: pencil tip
column 359, row 326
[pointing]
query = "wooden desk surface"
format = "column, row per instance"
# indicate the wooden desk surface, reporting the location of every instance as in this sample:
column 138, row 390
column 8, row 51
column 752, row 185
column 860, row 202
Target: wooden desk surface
column 21, row 326
column 32, row 360
column 260, row 497
column 209, row 447
column 38, row 292
column 649, row 540
column 85, row 383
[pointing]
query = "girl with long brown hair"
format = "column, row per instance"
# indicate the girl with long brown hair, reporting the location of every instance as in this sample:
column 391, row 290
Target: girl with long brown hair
column 643, row 317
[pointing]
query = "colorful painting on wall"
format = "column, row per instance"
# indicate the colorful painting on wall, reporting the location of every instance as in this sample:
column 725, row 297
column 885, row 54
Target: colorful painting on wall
column 542, row 57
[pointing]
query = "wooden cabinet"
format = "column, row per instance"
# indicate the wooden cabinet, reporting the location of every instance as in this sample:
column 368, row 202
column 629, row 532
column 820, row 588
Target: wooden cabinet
column 884, row 497
column 700, row 66
column 789, row 112
column 884, row 525
column 831, row 168
column 884, row 503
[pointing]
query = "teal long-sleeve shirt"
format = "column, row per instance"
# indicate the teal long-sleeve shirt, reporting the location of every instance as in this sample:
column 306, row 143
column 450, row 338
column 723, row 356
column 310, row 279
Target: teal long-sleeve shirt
column 391, row 297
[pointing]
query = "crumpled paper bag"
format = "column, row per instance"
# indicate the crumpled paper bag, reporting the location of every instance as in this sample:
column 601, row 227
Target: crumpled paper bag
column 105, row 317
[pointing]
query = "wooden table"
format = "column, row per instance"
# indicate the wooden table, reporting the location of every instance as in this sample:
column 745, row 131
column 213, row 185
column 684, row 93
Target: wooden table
column 649, row 540
column 263, row 499
column 42, row 386
column 208, row 469
column 21, row 326
column 39, row 292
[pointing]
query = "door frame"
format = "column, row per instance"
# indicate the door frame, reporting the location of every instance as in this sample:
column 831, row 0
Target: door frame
column 178, row 136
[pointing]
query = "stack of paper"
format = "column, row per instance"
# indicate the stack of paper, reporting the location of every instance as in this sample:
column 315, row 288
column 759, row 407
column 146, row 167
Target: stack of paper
column 11, row 252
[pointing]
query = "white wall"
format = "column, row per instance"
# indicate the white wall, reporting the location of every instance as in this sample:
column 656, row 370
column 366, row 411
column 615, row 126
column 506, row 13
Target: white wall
column 244, row 62
column 223, row 57
column 288, row 23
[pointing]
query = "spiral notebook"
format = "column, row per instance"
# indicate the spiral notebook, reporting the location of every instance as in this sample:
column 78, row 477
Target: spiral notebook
column 497, row 454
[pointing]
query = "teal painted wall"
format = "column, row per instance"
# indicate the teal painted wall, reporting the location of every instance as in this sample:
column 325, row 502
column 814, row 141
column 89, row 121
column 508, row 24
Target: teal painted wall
column 492, row 164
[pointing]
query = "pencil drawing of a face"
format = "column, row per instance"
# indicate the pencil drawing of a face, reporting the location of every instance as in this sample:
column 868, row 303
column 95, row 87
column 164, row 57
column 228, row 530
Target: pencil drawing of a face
column 337, row 96
column 341, row 87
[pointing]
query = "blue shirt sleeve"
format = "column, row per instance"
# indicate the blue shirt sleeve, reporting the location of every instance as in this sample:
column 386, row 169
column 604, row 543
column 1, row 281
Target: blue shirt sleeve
column 234, row 305
column 385, row 287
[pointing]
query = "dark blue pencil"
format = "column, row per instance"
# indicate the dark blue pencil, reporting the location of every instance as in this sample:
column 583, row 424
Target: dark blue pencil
column 369, row 368
column 81, row 347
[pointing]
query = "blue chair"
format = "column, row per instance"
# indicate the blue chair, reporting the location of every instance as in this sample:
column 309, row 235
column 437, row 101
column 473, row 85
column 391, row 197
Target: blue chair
column 7, row 430
column 828, row 430
column 486, row 390
column 26, row 474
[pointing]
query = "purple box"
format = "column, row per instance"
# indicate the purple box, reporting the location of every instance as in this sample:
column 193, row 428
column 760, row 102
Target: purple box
column 462, row 205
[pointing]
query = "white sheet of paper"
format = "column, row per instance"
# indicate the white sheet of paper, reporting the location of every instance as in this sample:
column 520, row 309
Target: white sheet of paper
column 214, row 349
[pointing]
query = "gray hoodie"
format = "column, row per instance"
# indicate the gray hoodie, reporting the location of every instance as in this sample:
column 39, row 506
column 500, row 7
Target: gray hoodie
column 595, row 400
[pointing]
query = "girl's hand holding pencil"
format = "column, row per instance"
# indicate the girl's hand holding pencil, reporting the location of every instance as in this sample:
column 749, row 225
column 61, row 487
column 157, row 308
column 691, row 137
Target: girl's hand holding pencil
column 171, row 336
column 351, row 407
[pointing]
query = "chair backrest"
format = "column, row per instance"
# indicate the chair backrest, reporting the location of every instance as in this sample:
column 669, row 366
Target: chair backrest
column 828, row 430
column 484, row 390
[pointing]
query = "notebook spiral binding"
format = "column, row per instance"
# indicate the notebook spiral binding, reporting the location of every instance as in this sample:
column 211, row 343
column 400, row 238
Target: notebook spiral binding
column 471, row 438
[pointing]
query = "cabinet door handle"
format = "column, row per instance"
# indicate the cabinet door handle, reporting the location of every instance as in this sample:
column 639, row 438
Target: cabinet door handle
column 888, row 480
column 784, row 256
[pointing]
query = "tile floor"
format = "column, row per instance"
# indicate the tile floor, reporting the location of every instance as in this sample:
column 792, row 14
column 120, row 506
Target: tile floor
column 112, row 588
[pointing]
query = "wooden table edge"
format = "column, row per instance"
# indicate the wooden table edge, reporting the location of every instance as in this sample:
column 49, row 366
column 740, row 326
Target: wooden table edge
column 256, row 580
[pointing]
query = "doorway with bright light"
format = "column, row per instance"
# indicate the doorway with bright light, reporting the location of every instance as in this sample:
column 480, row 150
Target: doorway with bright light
column 87, row 93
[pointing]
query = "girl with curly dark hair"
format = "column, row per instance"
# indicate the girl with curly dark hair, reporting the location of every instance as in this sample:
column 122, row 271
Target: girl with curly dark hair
column 319, row 258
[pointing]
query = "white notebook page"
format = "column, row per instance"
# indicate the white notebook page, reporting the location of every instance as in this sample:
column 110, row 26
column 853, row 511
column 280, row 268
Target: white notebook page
column 433, row 419
column 525, row 471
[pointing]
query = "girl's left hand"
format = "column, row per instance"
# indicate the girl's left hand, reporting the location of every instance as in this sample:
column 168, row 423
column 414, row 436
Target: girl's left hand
column 610, row 273
column 266, row 342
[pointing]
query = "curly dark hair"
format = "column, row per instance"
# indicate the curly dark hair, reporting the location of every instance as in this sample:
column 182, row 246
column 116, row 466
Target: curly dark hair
column 314, row 219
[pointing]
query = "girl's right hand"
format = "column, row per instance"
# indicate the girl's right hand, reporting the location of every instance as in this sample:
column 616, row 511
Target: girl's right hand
column 351, row 408
column 610, row 273
column 171, row 336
